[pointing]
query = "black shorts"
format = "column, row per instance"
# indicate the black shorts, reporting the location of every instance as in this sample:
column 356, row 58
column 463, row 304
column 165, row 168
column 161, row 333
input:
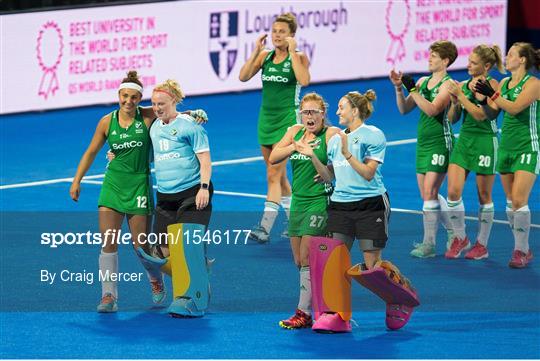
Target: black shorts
column 180, row 208
column 365, row 219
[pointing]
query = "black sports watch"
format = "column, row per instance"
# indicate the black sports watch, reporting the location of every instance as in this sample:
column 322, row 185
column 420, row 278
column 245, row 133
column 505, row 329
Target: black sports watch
column 204, row 186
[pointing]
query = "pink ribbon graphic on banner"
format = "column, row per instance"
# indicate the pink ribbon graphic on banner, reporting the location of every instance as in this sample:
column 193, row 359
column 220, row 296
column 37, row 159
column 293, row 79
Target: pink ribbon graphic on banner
column 49, row 53
column 394, row 16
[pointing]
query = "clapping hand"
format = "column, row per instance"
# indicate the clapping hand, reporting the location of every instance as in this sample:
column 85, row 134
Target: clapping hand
column 344, row 145
column 408, row 82
column 395, row 78
column 483, row 87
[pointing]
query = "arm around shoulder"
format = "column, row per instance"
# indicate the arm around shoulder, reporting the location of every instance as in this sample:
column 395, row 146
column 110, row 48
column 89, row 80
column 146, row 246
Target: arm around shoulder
column 148, row 115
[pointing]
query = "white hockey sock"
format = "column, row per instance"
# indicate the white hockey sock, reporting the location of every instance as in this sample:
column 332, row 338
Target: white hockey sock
column 108, row 265
column 522, row 226
column 286, row 204
column 457, row 217
column 485, row 221
column 510, row 213
column 304, row 303
column 445, row 218
column 269, row 216
column 432, row 210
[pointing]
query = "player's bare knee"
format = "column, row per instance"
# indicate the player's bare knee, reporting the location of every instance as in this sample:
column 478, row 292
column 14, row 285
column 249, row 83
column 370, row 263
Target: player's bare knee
column 518, row 199
column 518, row 202
column 484, row 196
column 454, row 194
column 273, row 176
column 430, row 194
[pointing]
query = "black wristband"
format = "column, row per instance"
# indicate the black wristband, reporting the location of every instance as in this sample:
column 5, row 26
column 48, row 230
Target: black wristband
column 483, row 102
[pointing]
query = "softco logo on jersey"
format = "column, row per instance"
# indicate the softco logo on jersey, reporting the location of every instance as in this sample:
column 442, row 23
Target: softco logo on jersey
column 341, row 163
column 127, row 145
column 275, row 78
column 223, row 43
column 299, row 156
column 167, row 156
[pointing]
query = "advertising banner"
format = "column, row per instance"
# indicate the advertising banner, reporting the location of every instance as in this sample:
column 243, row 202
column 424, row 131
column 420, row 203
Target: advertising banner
column 58, row 59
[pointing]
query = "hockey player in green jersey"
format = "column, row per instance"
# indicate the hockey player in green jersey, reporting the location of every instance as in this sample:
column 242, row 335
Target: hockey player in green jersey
column 518, row 160
column 309, row 198
column 126, row 191
column 475, row 151
column 284, row 71
column 435, row 138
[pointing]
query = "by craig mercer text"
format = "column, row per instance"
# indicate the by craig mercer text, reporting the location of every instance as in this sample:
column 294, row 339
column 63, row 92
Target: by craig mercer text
column 113, row 236
column 111, row 45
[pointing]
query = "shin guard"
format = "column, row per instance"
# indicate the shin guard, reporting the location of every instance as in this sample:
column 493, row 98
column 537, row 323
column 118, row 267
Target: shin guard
column 331, row 288
column 189, row 270
column 151, row 263
column 154, row 261
column 385, row 280
column 166, row 267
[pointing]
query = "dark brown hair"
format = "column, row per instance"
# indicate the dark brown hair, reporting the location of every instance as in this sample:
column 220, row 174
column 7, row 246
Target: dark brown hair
column 446, row 50
column 531, row 55
column 362, row 102
column 289, row 19
column 132, row 77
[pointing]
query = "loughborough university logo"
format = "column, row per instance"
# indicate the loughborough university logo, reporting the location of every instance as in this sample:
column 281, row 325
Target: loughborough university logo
column 223, row 42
